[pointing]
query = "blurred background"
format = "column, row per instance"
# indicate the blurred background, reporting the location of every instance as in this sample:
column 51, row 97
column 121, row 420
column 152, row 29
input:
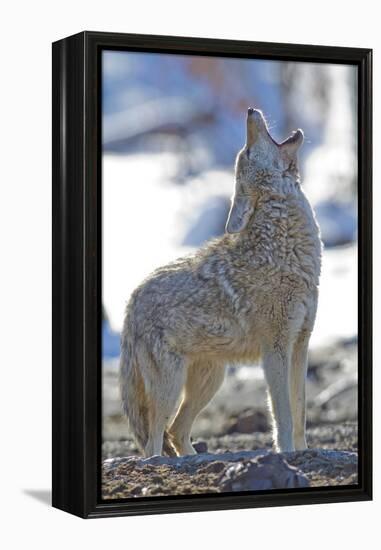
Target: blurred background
column 172, row 126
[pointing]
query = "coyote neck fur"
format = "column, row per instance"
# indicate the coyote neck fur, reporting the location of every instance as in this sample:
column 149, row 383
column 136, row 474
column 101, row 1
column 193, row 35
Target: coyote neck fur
column 283, row 235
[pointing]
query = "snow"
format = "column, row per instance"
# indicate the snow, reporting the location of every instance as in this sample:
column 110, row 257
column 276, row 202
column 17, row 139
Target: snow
column 331, row 167
column 139, row 232
column 337, row 311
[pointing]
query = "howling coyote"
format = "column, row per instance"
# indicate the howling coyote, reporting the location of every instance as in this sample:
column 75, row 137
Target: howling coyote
column 249, row 294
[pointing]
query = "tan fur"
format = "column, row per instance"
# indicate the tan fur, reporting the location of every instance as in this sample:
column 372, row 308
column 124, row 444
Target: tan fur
column 251, row 293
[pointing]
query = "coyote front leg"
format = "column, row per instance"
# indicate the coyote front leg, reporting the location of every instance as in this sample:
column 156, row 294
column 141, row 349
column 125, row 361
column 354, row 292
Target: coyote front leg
column 276, row 363
column 298, row 375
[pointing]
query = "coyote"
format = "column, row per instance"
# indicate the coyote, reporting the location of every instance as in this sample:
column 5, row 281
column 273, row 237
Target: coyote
column 249, row 294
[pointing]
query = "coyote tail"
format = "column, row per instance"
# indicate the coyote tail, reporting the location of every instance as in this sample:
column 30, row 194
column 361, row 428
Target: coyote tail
column 133, row 394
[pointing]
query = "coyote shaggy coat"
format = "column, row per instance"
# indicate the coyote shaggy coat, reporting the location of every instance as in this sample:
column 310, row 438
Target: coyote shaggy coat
column 251, row 293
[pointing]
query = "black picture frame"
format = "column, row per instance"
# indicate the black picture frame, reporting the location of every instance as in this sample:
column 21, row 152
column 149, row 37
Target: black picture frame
column 76, row 153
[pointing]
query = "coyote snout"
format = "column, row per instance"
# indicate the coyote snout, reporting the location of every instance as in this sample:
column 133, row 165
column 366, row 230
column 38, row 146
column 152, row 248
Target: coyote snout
column 251, row 293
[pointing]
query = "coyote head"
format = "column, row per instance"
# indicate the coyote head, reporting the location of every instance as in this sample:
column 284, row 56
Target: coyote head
column 263, row 166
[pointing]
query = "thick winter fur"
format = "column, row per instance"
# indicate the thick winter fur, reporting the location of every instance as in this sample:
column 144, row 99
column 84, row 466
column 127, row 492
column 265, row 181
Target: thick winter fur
column 251, row 293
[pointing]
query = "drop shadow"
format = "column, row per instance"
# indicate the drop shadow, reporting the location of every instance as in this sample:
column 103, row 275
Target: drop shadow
column 42, row 495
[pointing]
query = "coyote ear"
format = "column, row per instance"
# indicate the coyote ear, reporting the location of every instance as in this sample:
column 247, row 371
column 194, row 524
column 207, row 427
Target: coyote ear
column 292, row 144
column 239, row 215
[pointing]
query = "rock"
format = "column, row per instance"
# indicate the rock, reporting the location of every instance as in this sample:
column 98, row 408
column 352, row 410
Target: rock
column 326, row 467
column 265, row 472
column 248, row 422
column 200, row 446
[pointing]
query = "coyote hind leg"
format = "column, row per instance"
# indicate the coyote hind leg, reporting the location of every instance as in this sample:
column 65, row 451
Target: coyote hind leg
column 202, row 382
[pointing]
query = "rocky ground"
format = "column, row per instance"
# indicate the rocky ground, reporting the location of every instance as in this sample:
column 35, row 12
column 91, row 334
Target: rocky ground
column 221, row 471
column 233, row 439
